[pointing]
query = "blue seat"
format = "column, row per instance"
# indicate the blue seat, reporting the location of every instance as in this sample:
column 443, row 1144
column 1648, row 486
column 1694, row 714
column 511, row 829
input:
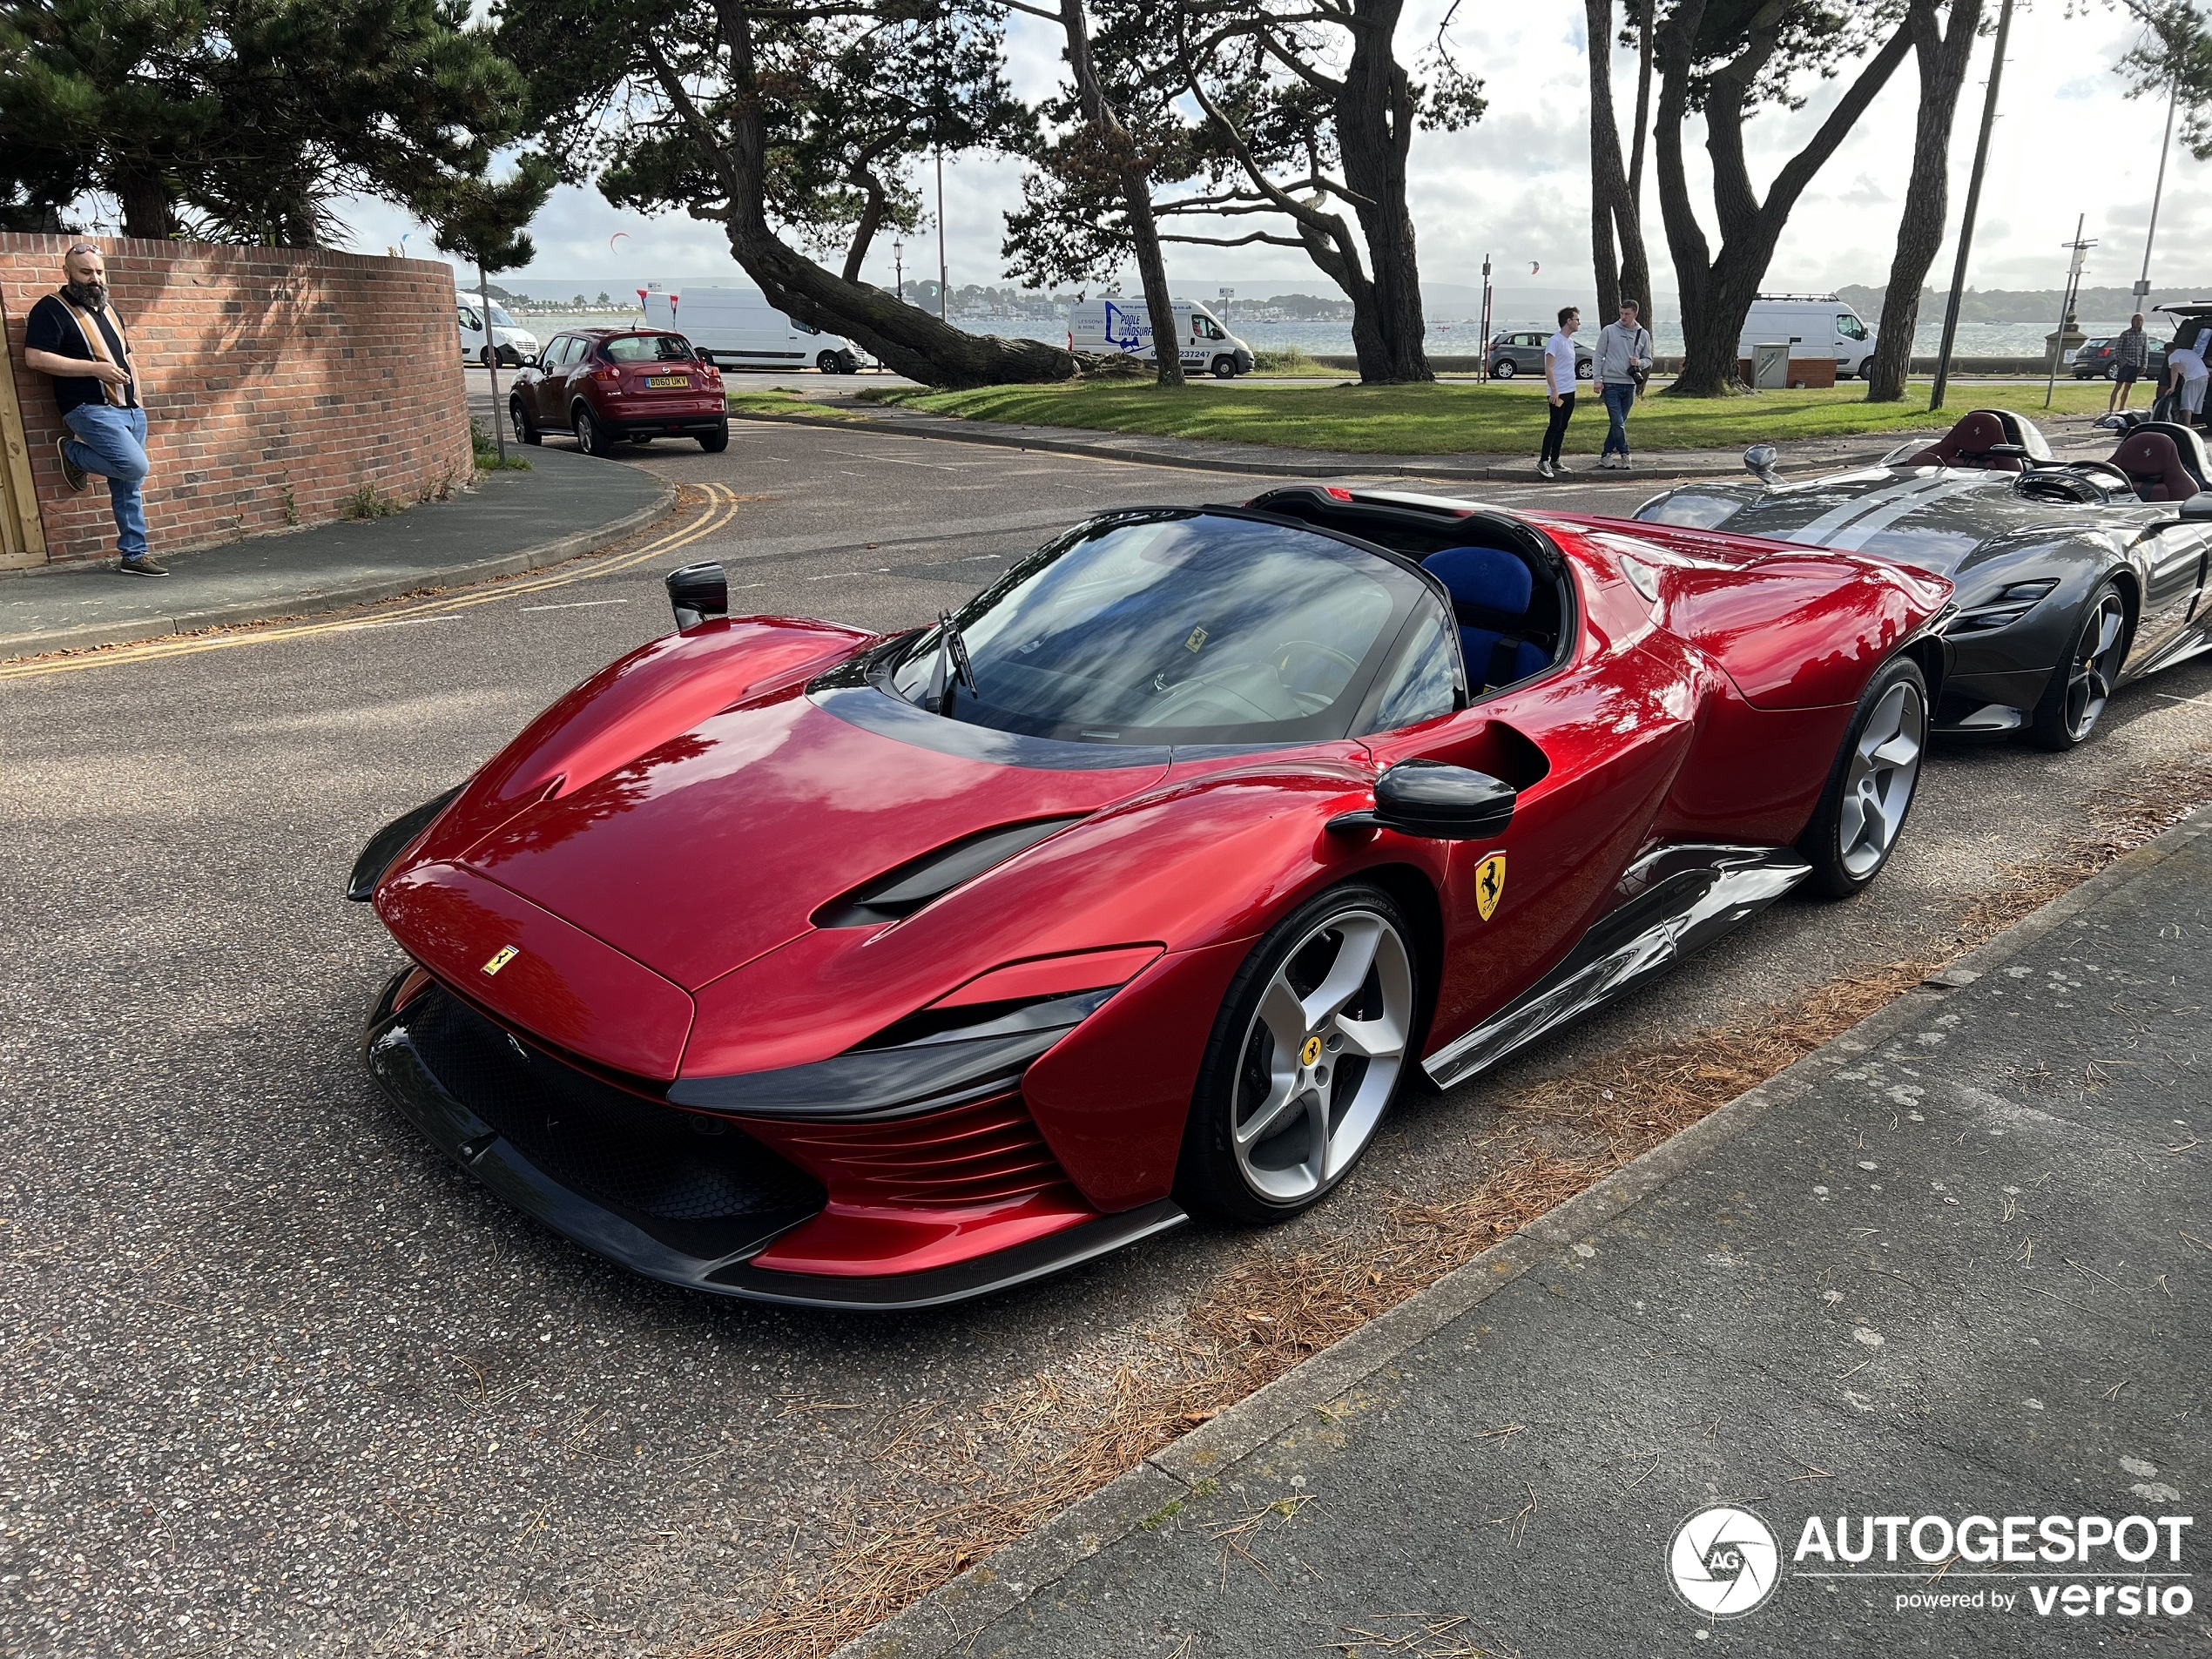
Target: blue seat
column 1490, row 590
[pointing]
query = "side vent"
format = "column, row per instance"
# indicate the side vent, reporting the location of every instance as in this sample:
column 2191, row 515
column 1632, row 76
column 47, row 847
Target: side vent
column 905, row 890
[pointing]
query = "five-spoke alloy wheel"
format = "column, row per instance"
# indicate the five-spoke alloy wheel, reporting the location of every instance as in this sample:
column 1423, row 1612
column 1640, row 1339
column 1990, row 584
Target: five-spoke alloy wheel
column 1862, row 813
column 2082, row 683
column 1314, row 1040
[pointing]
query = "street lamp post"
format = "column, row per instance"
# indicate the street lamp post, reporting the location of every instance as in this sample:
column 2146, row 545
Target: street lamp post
column 898, row 268
column 2143, row 282
column 942, row 277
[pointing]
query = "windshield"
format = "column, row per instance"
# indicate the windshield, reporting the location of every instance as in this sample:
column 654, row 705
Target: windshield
column 650, row 349
column 1173, row 626
column 500, row 319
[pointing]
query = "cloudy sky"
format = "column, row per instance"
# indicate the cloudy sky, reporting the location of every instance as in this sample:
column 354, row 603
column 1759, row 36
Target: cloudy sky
column 1515, row 185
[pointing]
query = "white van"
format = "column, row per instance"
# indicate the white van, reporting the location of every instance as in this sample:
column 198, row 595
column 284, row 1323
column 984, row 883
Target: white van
column 1815, row 325
column 516, row 344
column 1098, row 326
column 736, row 327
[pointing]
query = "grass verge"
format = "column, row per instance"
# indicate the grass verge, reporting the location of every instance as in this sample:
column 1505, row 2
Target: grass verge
column 1274, row 1305
column 1438, row 420
column 775, row 401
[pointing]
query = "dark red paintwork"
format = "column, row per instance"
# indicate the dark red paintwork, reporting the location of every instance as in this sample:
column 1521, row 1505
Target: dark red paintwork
column 668, row 831
column 619, row 394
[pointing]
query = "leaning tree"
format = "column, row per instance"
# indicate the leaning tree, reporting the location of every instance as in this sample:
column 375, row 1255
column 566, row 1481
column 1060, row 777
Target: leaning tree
column 1308, row 116
column 1941, row 48
column 791, row 126
column 1723, row 59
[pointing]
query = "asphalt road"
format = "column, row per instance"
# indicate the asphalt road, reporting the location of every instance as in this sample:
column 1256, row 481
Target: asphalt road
column 279, row 1381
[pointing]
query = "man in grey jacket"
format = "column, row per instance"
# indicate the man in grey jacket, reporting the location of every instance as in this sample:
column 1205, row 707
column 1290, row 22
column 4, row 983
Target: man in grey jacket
column 1623, row 362
column 2130, row 361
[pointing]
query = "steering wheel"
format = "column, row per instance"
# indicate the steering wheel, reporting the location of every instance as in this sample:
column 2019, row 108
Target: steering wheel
column 2057, row 485
column 1291, row 651
column 2118, row 477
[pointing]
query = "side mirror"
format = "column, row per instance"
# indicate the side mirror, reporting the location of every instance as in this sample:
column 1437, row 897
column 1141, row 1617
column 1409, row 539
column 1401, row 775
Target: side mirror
column 2197, row 510
column 1759, row 459
column 531, row 361
column 1436, row 802
column 698, row 592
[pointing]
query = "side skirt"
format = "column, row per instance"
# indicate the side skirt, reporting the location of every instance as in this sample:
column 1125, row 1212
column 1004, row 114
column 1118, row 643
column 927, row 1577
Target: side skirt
column 1674, row 901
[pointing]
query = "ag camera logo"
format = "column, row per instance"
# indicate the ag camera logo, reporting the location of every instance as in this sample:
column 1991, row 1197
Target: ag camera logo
column 1724, row 1562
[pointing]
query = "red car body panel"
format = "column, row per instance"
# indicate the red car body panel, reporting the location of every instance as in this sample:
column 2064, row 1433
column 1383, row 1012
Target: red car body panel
column 669, row 835
column 555, row 981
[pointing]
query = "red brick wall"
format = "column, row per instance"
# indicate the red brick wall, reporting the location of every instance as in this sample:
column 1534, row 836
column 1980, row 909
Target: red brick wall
column 278, row 382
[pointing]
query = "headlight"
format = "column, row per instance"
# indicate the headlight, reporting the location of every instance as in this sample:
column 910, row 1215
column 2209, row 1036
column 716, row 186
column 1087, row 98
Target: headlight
column 1691, row 511
column 2007, row 608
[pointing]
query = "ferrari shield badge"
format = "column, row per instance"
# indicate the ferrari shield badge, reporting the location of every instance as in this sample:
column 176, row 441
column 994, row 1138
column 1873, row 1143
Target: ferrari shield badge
column 507, row 953
column 1489, row 885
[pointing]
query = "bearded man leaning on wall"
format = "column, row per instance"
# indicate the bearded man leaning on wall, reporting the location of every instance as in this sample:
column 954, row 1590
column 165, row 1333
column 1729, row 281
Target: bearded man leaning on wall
column 76, row 337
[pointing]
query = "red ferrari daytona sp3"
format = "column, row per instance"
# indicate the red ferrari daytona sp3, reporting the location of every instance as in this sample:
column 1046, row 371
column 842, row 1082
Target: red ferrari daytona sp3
column 791, row 962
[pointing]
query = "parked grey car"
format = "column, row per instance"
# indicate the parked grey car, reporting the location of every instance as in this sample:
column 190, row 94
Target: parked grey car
column 1512, row 355
column 2073, row 577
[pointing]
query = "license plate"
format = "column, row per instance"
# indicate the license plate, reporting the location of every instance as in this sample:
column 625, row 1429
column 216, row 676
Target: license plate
column 668, row 379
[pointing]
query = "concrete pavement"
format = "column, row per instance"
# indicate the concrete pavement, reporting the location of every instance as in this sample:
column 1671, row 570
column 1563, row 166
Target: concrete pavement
column 564, row 505
column 1958, row 1263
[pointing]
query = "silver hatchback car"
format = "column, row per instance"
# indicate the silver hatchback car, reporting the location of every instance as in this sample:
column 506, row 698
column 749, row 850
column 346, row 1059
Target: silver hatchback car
column 1512, row 355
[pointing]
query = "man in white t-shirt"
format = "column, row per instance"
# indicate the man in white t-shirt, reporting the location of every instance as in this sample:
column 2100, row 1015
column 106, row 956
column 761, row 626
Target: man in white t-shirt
column 2188, row 366
column 1559, row 387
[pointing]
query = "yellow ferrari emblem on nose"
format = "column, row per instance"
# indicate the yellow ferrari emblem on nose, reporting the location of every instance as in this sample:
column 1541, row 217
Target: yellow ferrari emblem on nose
column 1311, row 1053
column 1489, row 884
column 507, row 953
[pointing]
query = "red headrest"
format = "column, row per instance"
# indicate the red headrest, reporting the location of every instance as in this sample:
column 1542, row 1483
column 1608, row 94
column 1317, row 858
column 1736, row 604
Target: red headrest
column 1968, row 444
column 2153, row 460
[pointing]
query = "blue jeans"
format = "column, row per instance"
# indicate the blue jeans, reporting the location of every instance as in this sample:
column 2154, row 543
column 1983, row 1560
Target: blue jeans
column 1618, row 401
column 112, row 443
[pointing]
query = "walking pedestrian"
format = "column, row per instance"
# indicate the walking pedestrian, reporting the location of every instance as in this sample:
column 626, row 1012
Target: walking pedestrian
column 75, row 337
column 1559, row 387
column 2130, row 357
column 1623, row 364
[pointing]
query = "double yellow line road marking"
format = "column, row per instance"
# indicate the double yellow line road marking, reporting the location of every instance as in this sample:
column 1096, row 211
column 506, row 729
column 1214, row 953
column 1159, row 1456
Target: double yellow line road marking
column 715, row 512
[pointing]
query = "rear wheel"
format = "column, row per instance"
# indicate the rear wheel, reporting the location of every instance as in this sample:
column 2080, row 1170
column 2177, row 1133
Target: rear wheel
column 716, row 442
column 1310, row 1047
column 1504, row 369
column 2082, row 683
column 1862, row 813
column 518, row 419
column 590, row 437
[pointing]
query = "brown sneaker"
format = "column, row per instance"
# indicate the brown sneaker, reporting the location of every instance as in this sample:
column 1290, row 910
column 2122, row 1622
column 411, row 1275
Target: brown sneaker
column 141, row 566
column 73, row 474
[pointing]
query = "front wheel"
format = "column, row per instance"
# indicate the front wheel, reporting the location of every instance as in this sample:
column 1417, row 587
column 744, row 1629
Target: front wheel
column 1504, row 369
column 1585, row 370
column 1862, row 813
column 1224, row 368
column 829, row 362
column 2081, row 684
column 518, row 418
column 484, row 357
column 1308, row 1051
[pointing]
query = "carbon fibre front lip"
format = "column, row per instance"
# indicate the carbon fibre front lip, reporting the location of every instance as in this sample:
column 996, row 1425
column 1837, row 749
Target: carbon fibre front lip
column 697, row 1261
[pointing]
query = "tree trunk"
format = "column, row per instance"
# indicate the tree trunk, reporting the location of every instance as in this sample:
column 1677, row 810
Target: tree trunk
column 1717, row 293
column 1615, row 214
column 1643, row 105
column 1606, row 184
column 1137, row 195
column 1374, row 120
column 144, row 196
column 907, row 338
column 1942, row 60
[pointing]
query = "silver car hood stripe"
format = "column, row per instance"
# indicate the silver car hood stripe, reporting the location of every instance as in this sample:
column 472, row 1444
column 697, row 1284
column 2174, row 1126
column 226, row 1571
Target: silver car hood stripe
column 1875, row 522
column 1819, row 532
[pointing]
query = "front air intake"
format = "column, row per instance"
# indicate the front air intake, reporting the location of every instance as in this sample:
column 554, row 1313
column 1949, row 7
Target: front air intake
column 913, row 884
